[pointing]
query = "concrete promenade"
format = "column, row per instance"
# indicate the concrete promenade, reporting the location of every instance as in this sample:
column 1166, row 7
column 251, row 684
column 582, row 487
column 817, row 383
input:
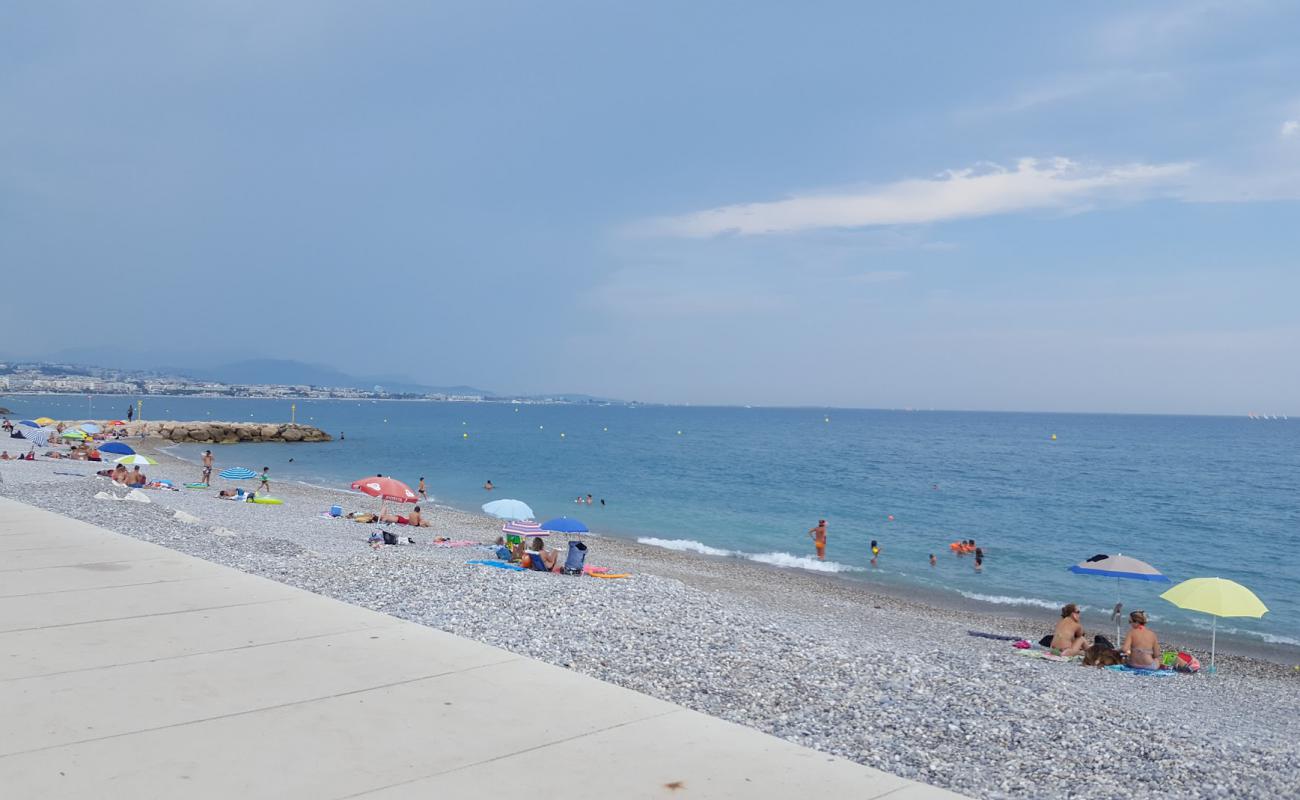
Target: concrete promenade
column 128, row 670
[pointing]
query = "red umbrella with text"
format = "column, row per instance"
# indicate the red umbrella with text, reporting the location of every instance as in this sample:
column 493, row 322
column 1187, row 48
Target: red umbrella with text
column 385, row 489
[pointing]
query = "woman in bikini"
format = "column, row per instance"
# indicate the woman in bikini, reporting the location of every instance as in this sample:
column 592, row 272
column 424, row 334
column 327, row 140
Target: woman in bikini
column 1141, row 645
column 1068, row 637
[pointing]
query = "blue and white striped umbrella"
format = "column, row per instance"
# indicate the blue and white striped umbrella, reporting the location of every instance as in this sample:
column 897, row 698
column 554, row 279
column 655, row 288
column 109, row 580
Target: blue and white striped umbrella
column 237, row 473
column 37, row 436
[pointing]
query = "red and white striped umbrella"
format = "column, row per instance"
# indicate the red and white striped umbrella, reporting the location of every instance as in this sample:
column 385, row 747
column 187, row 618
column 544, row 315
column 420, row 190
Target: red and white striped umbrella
column 524, row 529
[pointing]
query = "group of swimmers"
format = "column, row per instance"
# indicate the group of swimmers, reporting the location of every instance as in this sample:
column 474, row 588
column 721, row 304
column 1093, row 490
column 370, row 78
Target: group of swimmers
column 1140, row 650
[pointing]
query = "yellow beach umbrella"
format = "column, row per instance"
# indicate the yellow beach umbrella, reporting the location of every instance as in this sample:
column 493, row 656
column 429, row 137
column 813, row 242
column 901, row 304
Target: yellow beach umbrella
column 43, row 420
column 1218, row 597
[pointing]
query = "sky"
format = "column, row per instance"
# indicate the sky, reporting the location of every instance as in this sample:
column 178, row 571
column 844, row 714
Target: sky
column 906, row 205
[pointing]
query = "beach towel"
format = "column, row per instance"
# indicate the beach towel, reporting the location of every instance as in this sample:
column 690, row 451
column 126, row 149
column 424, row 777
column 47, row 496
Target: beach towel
column 998, row 636
column 609, row 575
column 456, row 543
column 590, row 570
column 1046, row 656
column 76, row 474
column 497, row 564
column 1155, row 673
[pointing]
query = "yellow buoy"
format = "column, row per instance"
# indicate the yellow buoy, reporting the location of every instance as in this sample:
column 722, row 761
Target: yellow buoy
column 464, row 436
column 1053, row 437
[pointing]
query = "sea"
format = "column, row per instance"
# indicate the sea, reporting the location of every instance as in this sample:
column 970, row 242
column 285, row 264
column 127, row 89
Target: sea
column 1195, row 496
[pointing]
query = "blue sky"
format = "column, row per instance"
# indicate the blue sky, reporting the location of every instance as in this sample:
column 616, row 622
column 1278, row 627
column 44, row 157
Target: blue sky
column 911, row 205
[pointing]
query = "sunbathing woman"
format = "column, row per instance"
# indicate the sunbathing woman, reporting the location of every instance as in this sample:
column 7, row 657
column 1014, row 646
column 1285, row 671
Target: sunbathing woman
column 539, row 557
column 1069, row 637
column 1141, row 645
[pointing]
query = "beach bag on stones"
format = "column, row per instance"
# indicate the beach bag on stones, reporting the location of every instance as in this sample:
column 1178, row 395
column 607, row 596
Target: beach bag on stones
column 389, row 538
column 1103, row 641
column 576, row 559
column 1186, row 662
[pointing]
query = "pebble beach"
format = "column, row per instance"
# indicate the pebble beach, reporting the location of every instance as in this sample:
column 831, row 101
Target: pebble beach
column 881, row 679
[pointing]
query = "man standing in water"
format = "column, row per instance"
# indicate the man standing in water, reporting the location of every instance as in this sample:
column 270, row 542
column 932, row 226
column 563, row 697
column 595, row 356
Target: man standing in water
column 818, row 535
column 423, row 494
column 207, row 466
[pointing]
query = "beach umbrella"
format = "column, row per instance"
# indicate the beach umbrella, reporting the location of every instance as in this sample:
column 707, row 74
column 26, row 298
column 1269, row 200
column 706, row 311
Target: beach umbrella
column 30, row 423
column 37, row 436
column 44, row 421
column 117, row 422
column 89, row 427
column 1120, row 567
column 564, row 525
column 117, row 447
column 1218, row 597
column 237, row 473
column 133, row 459
column 74, row 434
column 508, row 509
column 524, row 529
column 385, row 489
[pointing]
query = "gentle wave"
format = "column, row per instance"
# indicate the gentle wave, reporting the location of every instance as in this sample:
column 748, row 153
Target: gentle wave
column 685, row 545
column 1270, row 638
column 1003, row 600
column 802, row 562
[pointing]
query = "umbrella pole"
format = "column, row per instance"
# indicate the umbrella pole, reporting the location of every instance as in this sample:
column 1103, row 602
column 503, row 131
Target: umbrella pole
column 1214, row 629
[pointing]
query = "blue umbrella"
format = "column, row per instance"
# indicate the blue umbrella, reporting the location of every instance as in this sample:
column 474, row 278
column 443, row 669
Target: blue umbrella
column 117, row 447
column 564, row 525
column 89, row 427
column 1120, row 567
column 30, row 424
column 237, row 473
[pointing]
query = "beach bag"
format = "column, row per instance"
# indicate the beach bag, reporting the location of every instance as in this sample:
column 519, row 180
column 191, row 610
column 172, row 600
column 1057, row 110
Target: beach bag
column 576, row 559
column 1186, row 662
column 389, row 538
column 1046, row 641
column 1103, row 641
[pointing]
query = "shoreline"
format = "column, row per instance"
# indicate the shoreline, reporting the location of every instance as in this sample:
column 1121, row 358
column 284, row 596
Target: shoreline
column 1012, row 616
column 816, row 659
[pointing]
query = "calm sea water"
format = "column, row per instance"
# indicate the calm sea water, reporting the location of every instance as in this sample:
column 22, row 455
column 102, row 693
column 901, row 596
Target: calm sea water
column 1194, row 496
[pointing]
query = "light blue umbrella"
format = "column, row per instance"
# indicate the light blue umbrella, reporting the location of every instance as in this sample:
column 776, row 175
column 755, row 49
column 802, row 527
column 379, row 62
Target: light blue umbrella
column 89, row 427
column 237, row 473
column 508, row 509
column 564, row 525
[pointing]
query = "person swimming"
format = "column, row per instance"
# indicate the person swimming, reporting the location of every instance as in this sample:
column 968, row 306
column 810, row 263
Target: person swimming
column 933, row 561
column 875, row 552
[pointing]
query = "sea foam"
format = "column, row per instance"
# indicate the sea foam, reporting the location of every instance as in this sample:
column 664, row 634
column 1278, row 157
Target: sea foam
column 802, row 562
column 687, row 545
column 1004, row 600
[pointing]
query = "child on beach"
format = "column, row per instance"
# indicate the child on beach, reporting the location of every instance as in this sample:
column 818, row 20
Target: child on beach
column 266, row 479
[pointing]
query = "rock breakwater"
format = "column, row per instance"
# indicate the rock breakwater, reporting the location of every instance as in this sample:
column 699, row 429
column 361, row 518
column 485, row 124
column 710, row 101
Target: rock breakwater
column 230, row 432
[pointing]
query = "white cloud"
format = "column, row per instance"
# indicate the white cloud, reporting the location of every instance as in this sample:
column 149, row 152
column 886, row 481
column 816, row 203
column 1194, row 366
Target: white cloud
column 1290, row 128
column 956, row 194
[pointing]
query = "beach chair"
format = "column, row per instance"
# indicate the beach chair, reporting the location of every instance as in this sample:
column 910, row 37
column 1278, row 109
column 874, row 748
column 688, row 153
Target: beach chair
column 576, row 559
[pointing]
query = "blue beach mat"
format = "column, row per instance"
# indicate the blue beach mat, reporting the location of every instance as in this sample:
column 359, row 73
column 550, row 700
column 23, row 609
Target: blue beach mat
column 1155, row 673
column 498, row 565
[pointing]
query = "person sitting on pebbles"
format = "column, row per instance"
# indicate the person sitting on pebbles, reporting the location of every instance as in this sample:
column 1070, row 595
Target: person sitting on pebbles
column 1141, row 645
column 539, row 558
column 417, row 519
column 1068, row 638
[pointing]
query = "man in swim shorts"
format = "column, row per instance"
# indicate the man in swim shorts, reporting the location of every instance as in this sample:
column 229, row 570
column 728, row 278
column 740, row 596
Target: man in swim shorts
column 207, row 465
column 818, row 535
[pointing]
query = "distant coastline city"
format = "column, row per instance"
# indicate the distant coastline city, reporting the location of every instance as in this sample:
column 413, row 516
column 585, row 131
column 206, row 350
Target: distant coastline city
column 41, row 377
